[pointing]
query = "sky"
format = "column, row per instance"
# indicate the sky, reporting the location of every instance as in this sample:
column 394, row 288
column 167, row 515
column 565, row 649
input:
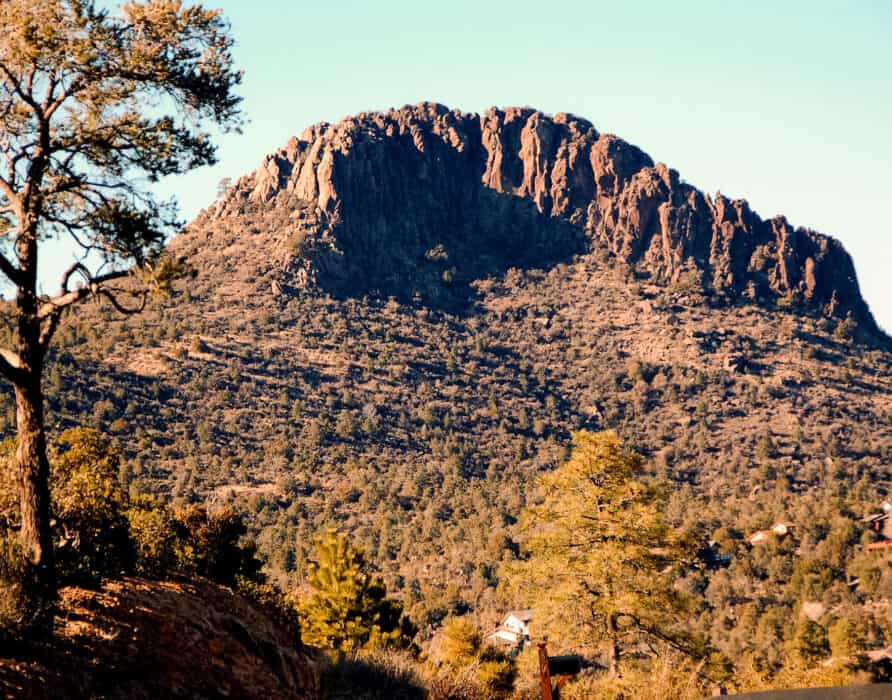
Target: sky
column 787, row 104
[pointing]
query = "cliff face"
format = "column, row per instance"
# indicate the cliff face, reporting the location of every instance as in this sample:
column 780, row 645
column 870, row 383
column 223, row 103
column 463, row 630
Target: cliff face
column 424, row 198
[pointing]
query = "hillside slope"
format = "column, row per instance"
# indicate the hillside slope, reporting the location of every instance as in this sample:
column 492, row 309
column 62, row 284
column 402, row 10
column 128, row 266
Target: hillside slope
column 397, row 322
column 136, row 638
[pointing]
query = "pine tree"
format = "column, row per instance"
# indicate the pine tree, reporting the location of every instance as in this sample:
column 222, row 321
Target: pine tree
column 349, row 610
column 809, row 642
column 462, row 655
column 600, row 560
column 94, row 106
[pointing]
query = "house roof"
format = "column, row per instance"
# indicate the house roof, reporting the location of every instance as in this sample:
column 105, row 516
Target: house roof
column 882, row 544
column 500, row 628
column 759, row 535
column 522, row 615
column 876, row 655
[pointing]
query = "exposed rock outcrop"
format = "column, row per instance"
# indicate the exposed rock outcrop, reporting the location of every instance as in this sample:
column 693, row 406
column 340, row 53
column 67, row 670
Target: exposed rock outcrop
column 151, row 639
column 424, row 197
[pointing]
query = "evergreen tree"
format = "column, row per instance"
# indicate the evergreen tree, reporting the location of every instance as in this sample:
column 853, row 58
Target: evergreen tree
column 809, row 642
column 600, row 560
column 93, row 106
column 349, row 610
column 462, row 655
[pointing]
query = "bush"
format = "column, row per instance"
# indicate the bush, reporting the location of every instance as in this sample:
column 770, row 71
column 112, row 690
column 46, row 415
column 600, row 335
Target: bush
column 153, row 535
column 93, row 538
column 466, row 667
column 212, row 544
column 13, row 601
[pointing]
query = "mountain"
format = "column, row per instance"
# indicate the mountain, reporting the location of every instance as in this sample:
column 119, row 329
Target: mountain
column 398, row 203
column 397, row 321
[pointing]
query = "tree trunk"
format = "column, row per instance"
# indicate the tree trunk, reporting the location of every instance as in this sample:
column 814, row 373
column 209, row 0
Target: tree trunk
column 34, row 472
column 613, row 647
column 35, row 536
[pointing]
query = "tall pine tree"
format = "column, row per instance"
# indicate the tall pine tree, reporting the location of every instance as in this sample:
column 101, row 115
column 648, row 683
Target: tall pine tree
column 349, row 610
column 600, row 560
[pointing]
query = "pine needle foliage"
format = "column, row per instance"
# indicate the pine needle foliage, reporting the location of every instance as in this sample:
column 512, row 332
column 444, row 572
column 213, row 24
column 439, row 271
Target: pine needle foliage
column 600, row 560
column 349, row 610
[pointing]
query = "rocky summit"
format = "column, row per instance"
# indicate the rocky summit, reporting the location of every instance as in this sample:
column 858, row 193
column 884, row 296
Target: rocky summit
column 424, row 199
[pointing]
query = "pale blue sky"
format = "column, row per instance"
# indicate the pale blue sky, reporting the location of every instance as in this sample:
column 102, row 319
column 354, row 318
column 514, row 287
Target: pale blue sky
column 785, row 103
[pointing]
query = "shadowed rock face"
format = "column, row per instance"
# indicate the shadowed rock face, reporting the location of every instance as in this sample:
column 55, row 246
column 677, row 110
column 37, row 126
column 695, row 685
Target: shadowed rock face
column 425, row 199
column 134, row 638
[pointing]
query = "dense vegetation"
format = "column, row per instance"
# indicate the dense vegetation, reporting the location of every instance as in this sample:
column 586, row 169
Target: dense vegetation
column 422, row 434
column 101, row 531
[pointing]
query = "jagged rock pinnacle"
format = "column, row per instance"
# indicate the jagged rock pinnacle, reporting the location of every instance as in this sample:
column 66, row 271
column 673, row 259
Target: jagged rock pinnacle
column 380, row 191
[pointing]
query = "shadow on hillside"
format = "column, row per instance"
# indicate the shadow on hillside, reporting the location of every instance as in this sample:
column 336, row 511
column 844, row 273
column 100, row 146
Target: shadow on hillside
column 379, row 678
column 147, row 639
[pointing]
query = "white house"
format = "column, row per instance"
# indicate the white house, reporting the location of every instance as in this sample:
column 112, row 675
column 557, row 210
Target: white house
column 782, row 527
column 513, row 631
column 759, row 537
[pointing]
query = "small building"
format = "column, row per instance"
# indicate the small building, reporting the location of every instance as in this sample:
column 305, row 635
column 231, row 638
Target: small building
column 881, row 523
column 759, row 537
column 713, row 556
column 780, row 529
column 513, row 631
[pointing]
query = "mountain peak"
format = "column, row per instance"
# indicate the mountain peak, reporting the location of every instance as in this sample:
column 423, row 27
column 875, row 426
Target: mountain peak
column 423, row 199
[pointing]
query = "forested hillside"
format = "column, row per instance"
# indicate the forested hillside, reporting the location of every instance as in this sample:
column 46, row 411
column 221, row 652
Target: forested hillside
column 415, row 408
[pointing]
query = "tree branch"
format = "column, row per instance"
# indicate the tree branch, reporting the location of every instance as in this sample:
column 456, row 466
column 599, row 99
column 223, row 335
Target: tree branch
column 11, row 366
column 17, row 87
column 67, row 298
column 10, row 270
column 144, row 297
column 9, row 192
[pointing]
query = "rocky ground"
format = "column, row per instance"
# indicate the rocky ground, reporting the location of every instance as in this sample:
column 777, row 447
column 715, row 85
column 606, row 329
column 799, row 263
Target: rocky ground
column 136, row 638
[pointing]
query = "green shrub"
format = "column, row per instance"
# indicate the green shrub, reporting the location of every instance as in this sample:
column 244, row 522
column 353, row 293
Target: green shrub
column 153, row 535
column 466, row 667
column 88, row 503
column 213, row 544
column 349, row 610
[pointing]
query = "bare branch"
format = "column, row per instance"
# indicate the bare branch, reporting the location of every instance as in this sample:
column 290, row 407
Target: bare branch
column 127, row 311
column 26, row 97
column 11, row 366
column 68, row 92
column 48, row 330
column 50, row 312
column 69, row 297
